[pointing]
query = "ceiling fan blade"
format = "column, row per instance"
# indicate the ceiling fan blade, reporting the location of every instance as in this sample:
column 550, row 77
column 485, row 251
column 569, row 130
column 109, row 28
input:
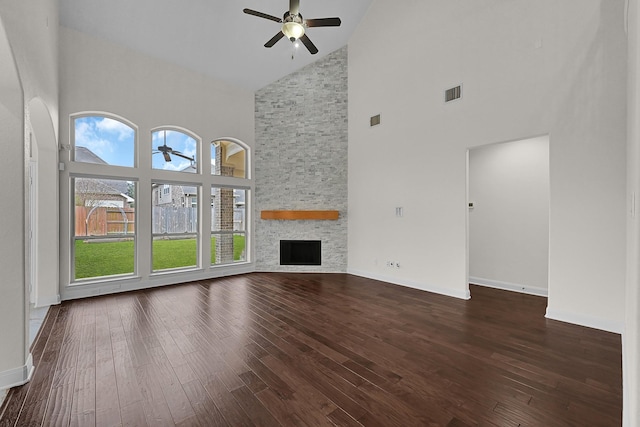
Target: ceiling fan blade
column 274, row 39
column 167, row 157
column 309, row 44
column 179, row 154
column 262, row 15
column 323, row 22
column 294, row 7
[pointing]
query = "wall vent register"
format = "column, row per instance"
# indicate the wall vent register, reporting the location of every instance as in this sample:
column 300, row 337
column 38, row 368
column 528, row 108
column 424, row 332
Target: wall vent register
column 453, row 93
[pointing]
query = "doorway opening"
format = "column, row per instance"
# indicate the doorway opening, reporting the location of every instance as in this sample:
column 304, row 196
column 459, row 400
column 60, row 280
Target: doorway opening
column 508, row 215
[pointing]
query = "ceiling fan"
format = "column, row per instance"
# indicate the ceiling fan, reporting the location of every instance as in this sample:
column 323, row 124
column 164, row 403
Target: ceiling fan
column 168, row 151
column 294, row 25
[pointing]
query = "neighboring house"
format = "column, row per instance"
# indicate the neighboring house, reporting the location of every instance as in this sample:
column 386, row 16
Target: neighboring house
column 168, row 195
column 185, row 196
column 99, row 192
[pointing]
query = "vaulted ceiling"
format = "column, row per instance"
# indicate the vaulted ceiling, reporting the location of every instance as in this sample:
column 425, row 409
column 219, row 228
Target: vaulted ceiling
column 214, row 36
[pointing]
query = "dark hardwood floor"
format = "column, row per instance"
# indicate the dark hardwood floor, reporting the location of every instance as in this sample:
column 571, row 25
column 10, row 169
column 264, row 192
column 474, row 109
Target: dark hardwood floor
column 313, row 350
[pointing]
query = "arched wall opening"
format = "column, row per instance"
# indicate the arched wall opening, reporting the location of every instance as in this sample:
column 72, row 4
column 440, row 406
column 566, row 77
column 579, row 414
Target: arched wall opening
column 44, row 227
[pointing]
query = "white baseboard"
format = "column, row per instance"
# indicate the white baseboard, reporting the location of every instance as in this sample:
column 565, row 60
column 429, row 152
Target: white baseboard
column 17, row 376
column 105, row 287
column 582, row 320
column 463, row 294
column 506, row 286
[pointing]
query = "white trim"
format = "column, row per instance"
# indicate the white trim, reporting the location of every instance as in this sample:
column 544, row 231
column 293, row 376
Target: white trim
column 412, row 284
column 92, row 289
column 626, row 386
column 506, row 286
column 17, row 376
column 582, row 320
column 302, row 270
column 47, row 301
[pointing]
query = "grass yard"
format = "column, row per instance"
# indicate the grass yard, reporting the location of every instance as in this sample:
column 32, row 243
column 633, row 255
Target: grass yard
column 104, row 258
column 97, row 259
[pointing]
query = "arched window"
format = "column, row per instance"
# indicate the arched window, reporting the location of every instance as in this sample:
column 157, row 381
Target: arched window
column 103, row 140
column 228, row 158
column 175, row 150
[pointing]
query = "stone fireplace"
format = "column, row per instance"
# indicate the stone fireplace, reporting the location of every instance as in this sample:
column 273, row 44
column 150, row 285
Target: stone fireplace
column 301, row 166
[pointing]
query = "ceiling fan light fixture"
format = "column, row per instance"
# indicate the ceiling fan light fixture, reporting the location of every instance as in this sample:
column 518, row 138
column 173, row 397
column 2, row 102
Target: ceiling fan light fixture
column 293, row 30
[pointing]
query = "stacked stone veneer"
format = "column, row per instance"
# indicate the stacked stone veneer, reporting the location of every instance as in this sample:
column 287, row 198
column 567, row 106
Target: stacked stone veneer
column 301, row 161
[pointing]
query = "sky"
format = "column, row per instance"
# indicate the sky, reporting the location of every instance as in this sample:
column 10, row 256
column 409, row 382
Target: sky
column 114, row 142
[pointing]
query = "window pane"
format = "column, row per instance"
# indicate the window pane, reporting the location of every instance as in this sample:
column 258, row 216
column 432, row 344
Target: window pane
column 174, row 225
column 228, row 159
column 228, row 248
column 107, row 257
column 228, row 225
column 171, row 253
column 104, row 231
column 103, row 140
column 174, row 150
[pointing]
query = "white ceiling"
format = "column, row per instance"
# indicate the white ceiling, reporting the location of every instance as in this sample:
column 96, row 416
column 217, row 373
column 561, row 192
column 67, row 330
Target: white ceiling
column 214, row 36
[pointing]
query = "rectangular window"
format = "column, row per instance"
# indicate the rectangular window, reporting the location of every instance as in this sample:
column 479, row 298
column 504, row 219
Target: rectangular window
column 174, row 227
column 228, row 225
column 105, row 228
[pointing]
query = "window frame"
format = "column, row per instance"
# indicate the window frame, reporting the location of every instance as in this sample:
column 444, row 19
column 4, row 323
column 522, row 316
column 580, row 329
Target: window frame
column 233, row 232
column 114, row 237
column 143, row 174
column 197, row 234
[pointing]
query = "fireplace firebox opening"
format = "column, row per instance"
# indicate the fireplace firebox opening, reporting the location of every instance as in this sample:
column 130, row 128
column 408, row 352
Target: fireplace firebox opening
column 300, row 252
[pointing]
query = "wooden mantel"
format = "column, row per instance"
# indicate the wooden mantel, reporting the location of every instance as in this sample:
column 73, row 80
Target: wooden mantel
column 298, row 214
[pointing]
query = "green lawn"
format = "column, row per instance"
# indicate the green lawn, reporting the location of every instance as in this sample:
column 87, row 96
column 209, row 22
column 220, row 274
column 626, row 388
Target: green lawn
column 98, row 259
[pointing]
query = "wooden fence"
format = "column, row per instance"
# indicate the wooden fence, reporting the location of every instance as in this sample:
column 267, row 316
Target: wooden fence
column 104, row 221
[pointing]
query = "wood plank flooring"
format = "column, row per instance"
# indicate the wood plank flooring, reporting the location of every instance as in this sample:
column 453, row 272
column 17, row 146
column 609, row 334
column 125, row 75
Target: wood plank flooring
column 269, row 349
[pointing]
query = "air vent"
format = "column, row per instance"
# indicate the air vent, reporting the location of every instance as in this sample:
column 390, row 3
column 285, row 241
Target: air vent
column 375, row 120
column 452, row 94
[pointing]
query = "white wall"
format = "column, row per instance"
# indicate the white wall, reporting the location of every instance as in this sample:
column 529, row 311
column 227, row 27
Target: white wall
column 28, row 71
column 13, row 352
column 509, row 221
column 631, row 334
column 527, row 68
column 99, row 76
column 32, row 29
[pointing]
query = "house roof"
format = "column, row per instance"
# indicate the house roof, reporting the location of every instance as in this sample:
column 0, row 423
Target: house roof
column 105, row 186
column 100, row 186
column 84, row 155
